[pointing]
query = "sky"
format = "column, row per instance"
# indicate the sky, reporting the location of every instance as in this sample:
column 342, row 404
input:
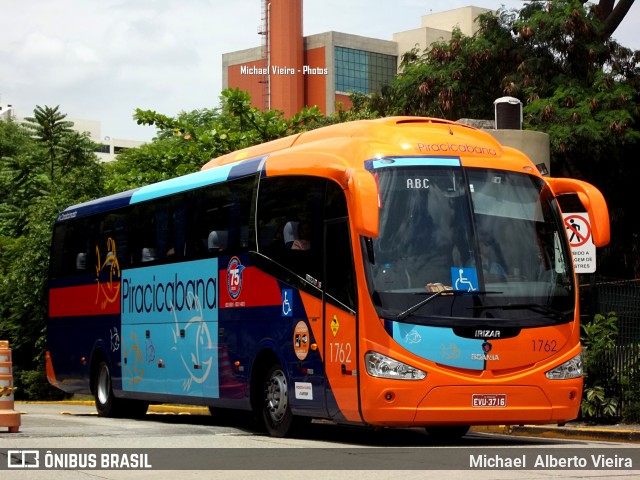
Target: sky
column 100, row 60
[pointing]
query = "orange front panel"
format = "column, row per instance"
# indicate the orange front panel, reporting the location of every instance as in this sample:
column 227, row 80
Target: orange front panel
column 532, row 345
column 454, row 404
column 445, row 396
column 340, row 359
column 436, row 401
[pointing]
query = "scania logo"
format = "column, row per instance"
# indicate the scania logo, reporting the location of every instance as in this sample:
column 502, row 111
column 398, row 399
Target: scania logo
column 486, row 347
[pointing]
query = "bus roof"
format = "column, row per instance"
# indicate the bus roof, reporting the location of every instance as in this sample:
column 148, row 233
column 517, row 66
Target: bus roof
column 331, row 152
column 384, row 136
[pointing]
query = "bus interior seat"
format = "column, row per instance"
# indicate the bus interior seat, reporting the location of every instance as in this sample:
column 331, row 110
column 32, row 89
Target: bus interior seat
column 217, row 241
column 81, row 261
column 148, row 254
column 290, row 233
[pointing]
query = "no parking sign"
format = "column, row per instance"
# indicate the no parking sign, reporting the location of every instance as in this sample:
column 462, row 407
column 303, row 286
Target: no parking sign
column 582, row 247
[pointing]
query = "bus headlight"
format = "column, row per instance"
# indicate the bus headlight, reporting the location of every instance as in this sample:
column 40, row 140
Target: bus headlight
column 379, row 365
column 569, row 369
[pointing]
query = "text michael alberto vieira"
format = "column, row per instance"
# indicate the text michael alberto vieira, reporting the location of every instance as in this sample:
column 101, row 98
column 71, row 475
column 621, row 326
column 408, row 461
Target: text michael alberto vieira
column 523, row 460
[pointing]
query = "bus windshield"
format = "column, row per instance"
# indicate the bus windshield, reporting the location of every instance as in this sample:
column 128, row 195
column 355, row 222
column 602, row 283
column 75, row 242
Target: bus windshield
column 463, row 246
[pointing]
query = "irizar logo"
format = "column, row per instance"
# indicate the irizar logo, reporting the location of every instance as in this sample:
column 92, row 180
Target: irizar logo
column 488, row 334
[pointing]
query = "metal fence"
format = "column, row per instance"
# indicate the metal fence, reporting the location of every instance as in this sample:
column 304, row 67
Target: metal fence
column 604, row 295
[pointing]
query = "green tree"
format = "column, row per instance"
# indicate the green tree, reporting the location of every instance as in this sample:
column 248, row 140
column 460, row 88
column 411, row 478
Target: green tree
column 611, row 14
column 186, row 142
column 49, row 127
column 19, row 177
column 44, row 168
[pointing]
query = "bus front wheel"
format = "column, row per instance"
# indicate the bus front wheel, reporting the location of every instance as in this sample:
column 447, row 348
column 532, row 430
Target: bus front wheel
column 276, row 411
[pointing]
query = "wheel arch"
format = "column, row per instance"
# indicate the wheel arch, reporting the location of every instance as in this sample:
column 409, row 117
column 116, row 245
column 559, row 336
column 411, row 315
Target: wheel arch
column 267, row 356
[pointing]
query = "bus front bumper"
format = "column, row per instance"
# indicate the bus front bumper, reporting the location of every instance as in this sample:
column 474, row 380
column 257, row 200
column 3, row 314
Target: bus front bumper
column 481, row 405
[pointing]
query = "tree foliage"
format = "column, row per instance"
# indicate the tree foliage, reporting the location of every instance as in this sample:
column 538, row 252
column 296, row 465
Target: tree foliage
column 600, row 398
column 45, row 167
column 186, row 142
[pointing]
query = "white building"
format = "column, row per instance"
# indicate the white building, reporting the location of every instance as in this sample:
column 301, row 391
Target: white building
column 436, row 27
column 108, row 147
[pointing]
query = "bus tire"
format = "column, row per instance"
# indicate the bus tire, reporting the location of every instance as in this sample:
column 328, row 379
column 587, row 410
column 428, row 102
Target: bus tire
column 448, row 433
column 106, row 402
column 275, row 409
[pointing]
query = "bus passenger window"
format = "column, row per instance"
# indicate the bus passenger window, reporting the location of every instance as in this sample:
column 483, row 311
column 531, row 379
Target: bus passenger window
column 290, row 222
column 219, row 220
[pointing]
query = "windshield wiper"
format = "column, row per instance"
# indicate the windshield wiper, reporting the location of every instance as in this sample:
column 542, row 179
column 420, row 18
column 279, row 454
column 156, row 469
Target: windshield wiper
column 534, row 307
column 457, row 293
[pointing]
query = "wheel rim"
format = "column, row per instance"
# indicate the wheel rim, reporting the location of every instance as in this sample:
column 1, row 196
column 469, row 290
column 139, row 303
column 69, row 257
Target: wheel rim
column 104, row 385
column 276, row 396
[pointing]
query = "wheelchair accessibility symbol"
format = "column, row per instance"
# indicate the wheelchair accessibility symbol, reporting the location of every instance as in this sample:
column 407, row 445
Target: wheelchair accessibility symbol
column 287, row 308
column 465, row 279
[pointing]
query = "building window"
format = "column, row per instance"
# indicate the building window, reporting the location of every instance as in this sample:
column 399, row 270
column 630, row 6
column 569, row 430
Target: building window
column 362, row 71
column 102, row 148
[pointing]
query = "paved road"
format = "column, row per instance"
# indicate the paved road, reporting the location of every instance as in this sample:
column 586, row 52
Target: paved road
column 381, row 454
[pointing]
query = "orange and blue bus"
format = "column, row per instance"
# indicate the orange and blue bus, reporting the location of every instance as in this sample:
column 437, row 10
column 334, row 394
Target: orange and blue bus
column 394, row 272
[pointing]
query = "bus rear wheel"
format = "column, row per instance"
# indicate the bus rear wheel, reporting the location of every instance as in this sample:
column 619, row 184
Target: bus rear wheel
column 276, row 411
column 107, row 404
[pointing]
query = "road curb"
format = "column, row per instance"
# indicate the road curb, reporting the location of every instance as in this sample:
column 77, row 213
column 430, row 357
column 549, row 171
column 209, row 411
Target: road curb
column 163, row 408
column 566, row 432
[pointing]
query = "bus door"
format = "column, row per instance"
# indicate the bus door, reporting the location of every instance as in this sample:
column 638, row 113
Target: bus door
column 340, row 323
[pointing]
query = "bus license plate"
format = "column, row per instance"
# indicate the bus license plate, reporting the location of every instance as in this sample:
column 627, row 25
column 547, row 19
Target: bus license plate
column 489, row 400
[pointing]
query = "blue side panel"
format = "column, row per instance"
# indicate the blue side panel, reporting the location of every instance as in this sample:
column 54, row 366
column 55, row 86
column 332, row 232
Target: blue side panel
column 170, row 329
column 439, row 345
column 412, row 162
column 197, row 179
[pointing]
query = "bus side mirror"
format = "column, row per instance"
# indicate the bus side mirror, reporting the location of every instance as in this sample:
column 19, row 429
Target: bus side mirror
column 364, row 194
column 593, row 202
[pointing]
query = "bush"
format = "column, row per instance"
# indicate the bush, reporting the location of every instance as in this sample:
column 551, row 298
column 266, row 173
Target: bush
column 33, row 385
column 601, row 384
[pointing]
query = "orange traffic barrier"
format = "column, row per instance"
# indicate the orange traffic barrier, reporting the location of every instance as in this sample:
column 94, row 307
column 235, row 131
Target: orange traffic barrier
column 8, row 416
